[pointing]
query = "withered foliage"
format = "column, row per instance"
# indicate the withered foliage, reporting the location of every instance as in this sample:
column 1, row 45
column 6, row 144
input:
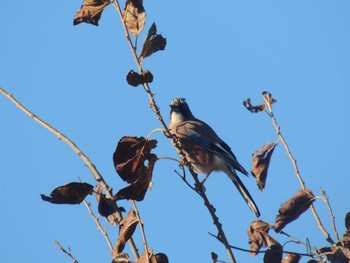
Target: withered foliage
column 126, row 229
column 121, row 258
column 153, row 42
column 336, row 254
column 260, row 162
column 153, row 258
column 347, row 221
column 134, row 79
column 258, row 236
column 90, row 12
column 274, row 254
column 214, row 257
column 105, row 207
column 293, row 208
column 291, row 258
column 72, row 193
column 261, row 107
column 129, row 161
column 134, row 16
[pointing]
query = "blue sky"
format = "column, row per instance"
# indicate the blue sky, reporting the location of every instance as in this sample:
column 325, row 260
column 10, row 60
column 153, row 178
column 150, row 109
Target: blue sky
column 218, row 54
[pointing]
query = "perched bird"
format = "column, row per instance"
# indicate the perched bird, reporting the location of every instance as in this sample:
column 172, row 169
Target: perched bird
column 204, row 149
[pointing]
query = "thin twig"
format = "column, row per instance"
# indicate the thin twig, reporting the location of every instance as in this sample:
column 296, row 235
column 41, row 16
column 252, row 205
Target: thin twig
column 296, row 169
column 98, row 177
column 298, row 241
column 142, row 228
column 68, row 253
column 326, row 199
column 98, row 224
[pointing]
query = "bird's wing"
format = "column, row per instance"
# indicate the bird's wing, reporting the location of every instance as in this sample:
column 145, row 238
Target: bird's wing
column 212, row 142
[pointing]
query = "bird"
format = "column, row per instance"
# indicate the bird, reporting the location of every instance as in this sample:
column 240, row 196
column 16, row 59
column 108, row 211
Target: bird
column 203, row 148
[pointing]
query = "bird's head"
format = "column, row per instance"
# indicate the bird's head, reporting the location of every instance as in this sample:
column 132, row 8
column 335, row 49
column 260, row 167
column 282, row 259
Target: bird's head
column 179, row 110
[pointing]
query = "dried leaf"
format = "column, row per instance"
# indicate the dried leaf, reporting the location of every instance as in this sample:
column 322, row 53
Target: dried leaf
column 262, row 107
column 273, row 254
column 121, row 258
column 347, row 221
column 153, row 42
column 253, row 108
column 214, row 257
column 126, row 229
column 293, row 208
column 268, row 97
column 261, row 161
column 129, row 160
column 161, row 258
column 72, row 193
column 291, row 258
column 90, row 12
column 258, row 236
column 134, row 16
column 336, row 254
column 134, row 79
column 105, row 208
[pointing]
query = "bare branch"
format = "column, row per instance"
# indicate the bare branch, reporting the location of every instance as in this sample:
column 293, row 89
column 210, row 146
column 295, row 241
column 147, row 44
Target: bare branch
column 68, row 253
column 296, row 169
column 98, row 224
column 98, row 177
column 326, row 199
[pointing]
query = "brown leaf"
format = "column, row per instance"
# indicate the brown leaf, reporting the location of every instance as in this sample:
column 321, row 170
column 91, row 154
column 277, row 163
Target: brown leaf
column 214, row 257
column 291, row 258
column 90, row 12
column 268, row 97
column 72, row 193
column 153, row 42
column 253, row 108
column 261, row 161
column 134, row 79
column 258, row 236
column 126, row 229
column 293, row 208
column 129, row 160
column 134, row 16
column 347, row 221
column 161, row 258
column 121, row 258
column 105, row 207
column 273, row 254
column 262, row 107
column 336, row 254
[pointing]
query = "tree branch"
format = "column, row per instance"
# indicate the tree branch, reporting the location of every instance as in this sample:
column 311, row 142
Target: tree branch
column 68, row 253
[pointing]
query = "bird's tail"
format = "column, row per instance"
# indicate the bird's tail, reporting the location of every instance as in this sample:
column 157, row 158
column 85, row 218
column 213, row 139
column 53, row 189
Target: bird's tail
column 243, row 191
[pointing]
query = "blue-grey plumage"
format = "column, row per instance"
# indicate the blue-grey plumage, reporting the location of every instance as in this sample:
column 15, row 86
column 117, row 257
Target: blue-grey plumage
column 204, row 149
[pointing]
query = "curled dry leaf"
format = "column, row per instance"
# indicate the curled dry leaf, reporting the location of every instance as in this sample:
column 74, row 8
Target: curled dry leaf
column 72, row 193
column 134, row 79
column 105, row 207
column 129, row 160
column 90, row 12
column 262, row 107
column 214, row 257
column 134, row 16
column 268, row 97
column 161, row 258
column 258, row 236
column 291, row 258
column 274, row 254
column 261, row 161
column 126, row 229
column 153, row 42
column 293, row 208
column 336, row 254
column 347, row 221
column 121, row 258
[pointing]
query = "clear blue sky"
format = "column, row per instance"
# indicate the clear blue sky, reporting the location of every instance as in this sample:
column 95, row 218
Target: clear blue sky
column 218, row 54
